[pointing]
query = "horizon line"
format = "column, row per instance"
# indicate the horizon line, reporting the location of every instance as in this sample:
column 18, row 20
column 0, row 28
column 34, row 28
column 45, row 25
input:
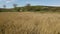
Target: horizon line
column 34, row 5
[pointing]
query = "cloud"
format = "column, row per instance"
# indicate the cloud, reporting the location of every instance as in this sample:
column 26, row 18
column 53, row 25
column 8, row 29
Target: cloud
column 0, row 0
column 9, row 1
column 54, row 5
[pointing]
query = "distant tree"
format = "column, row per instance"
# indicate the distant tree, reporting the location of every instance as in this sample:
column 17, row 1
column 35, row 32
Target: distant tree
column 4, row 6
column 15, row 6
column 28, row 7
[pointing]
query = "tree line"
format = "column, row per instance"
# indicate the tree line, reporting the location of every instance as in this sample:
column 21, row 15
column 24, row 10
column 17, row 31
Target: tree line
column 28, row 7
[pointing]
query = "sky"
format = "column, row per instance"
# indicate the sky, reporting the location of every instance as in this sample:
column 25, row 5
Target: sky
column 9, row 3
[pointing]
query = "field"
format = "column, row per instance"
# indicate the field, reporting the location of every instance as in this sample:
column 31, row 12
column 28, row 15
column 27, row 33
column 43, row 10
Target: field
column 29, row 23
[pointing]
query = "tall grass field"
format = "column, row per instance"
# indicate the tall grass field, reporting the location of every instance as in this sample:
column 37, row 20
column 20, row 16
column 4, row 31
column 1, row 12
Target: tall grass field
column 29, row 23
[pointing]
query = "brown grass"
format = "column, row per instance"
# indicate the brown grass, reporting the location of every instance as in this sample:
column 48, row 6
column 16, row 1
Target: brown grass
column 29, row 23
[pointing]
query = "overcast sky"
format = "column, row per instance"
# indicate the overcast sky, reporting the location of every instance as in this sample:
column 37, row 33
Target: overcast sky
column 9, row 3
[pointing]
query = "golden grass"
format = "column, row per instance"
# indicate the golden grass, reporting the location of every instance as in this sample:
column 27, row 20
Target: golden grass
column 29, row 23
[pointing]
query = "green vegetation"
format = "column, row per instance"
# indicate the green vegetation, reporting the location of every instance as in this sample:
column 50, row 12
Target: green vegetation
column 30, row 8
